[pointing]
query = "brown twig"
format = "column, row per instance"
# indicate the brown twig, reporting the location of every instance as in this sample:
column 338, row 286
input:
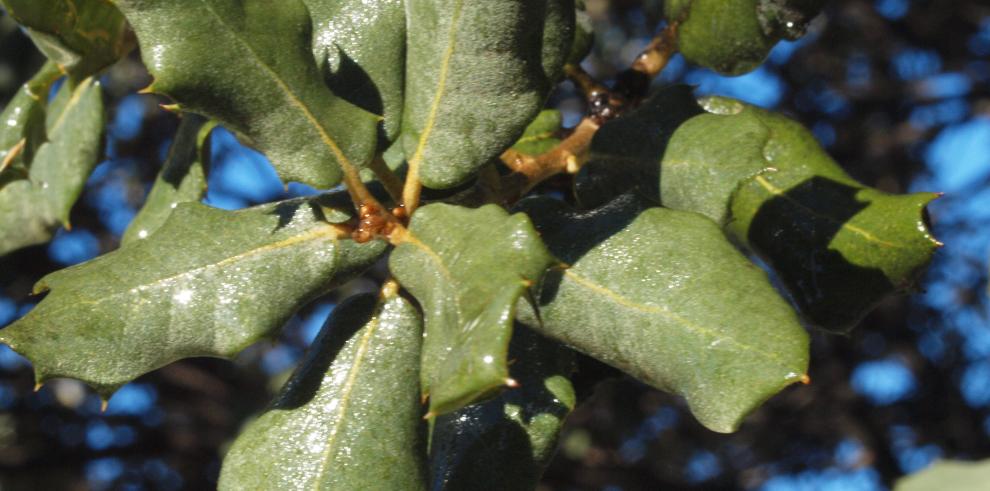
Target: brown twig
column 603, row 104
column 634, row 82
column 529, row 171
column 390, row 181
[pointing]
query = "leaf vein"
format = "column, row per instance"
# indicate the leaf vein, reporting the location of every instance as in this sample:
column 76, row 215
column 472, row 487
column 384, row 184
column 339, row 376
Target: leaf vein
column 774, row 190
column 346, row 393
column 693, row 327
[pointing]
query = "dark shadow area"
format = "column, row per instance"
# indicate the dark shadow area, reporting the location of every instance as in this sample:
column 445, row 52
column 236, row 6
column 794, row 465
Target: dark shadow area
column 626, row 152
column 469, row 445
column 349, row 317
column 177, row 166
column 353, row 84
column 285, row 210
column 793, row 232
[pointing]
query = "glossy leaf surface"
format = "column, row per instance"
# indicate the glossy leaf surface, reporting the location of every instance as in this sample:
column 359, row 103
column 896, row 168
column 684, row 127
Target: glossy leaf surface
column 22, row 125
column 80, row 36
column 360, row 48
column 349, row 418
column 181, row 180
column 515, row 434
column 839, row 247
column 709, row 155
column 662, row 295
column 209, row 282
column 467, row 268
column 476, row 74
column 625, row 151
column 32, row 208
column 249, row 65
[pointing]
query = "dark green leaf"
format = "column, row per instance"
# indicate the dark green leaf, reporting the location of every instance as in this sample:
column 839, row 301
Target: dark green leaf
column 625, row 151
column 515, row 434
column 31, row 209
column 249, row 65
column 209, row 282
column 662, row 295
column 541, row 134
column 467, row 268
column 476, row 74
column 735, row 36
column 787, row 19
column 709, row 155
column 838, row 246
column 22, row 125
column 349, row 418
column 559, row 30
column 584, row 37
column 181, row 180
column 360, row 47
column 81, row 36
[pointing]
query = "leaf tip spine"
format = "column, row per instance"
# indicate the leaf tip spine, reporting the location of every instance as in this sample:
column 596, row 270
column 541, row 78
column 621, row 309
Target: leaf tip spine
column 805, row 379
column 511, row 383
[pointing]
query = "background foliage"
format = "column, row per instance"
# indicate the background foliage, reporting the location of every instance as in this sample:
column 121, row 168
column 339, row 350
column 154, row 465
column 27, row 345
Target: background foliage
column 898, row 91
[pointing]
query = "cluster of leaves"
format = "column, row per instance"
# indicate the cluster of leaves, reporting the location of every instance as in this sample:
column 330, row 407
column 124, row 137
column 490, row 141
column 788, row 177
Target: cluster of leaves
column 429, row 114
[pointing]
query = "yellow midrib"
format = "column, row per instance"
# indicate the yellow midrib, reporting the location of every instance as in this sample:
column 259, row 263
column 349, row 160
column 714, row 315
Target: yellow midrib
column 695, row 328
column 320, row 232
column 431, row 118
column 345, row 164
column 77, row 93
column 345, row 398
column 769, row 187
